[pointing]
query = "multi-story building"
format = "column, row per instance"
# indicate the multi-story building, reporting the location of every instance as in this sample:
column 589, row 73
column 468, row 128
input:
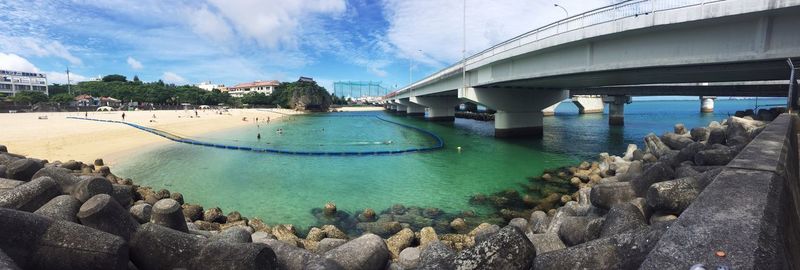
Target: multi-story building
column 12, row 82
column 264, row 87
column 208, row 86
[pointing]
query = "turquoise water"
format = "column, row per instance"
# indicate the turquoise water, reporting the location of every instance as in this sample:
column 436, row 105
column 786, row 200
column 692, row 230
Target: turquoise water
column 284, row 188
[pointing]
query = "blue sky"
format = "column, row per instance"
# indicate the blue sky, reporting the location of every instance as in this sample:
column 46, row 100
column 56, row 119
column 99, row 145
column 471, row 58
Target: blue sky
column 233, row 41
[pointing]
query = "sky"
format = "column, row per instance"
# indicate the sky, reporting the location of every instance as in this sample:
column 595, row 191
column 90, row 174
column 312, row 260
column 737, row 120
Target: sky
column 233, row 41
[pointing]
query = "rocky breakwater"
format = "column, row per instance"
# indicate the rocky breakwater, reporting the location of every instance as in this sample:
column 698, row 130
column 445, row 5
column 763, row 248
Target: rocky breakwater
column 643, row 192
column 608, row 214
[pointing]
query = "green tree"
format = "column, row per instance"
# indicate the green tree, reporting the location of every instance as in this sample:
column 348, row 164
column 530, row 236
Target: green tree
column 114, row 78
column 303, row 96
column 31, row 97
column 255, row 98
column 136, row 79
column 61, row 98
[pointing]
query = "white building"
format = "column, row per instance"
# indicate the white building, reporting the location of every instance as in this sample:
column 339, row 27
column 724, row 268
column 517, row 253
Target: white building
column 208, row 86
column 264, row 87
column 12, row 82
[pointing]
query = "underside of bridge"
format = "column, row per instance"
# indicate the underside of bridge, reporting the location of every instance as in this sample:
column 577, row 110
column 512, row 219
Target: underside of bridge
column 716, row 48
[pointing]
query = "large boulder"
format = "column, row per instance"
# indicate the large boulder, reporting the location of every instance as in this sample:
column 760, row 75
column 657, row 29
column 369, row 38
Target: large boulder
column 716, row 156
column 398, row 242
column 716, row 135
column 674, row 196
column 622, row 251
column 409, row 258
column 63, row 177
column 23, row 169
column 577, row 230
column 158, row 247
column 538, row 222
column 38, row 242
column 621, row 218
column 699, row 134
column 383, row 228
column 427, row 235
column 437, row 256
column 363, row 253
column 546, row 242
column 606, row 195
column 31, row 195
column 659, row 171
column 675, row 141
column 654, row 145
column 62, row 207
column 328, row 244
column 507, row 249
column 743, row 127
column 688, row 152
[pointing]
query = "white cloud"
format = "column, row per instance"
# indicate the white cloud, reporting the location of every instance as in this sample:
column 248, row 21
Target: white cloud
column 135, row 64
column 171, row 77
column 61, row 77
column 435, row 27
column 210, row 25
column 33, row 46
column 273, row 23
column 10, row 61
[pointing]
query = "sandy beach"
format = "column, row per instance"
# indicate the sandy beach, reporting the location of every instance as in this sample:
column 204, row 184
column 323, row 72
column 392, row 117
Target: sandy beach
column 60, row 138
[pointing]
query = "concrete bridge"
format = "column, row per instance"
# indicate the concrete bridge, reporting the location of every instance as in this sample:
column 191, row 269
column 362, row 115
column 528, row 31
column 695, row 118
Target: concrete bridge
column 639, row 47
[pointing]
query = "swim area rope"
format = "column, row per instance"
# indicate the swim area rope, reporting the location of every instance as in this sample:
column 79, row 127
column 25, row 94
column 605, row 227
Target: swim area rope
column 176, row 138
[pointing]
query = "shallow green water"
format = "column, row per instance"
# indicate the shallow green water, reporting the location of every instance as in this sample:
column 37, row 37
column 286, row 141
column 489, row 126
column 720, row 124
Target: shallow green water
column 284, row 188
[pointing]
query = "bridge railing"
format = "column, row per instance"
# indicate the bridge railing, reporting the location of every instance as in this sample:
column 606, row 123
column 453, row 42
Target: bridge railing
column 622, row 10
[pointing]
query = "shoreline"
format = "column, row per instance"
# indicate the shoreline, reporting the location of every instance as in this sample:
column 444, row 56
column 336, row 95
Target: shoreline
column 639, row 194
column 60, row 138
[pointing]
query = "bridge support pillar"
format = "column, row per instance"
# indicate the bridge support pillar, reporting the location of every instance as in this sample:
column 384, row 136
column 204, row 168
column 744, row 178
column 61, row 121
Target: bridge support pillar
column 440, row 108
column 519, row 111
column 401, row 109
column 588, row 104
column 707, row 104
column 412, row 109
column 616, row 109
column 550, row 111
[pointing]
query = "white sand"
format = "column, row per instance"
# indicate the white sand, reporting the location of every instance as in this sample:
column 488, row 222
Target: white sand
column 59, row 138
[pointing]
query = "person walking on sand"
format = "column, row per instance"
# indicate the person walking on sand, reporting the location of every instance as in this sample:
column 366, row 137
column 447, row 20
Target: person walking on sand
column 123, row 116
column 86, row 115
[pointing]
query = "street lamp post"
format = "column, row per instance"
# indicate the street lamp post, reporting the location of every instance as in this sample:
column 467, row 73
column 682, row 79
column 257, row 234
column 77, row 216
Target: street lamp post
column 565, row 12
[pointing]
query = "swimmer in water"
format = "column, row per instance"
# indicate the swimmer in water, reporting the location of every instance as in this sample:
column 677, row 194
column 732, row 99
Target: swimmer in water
column 259, row 136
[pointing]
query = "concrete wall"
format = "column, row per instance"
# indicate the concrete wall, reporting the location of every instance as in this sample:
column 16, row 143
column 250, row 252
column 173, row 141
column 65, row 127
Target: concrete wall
column 749, row 211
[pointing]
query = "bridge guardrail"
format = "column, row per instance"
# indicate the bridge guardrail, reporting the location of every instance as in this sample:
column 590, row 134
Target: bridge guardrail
column 622, row 10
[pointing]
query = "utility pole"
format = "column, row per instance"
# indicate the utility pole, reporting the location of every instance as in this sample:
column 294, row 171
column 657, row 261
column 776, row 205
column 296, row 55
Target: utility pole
column 69, row 90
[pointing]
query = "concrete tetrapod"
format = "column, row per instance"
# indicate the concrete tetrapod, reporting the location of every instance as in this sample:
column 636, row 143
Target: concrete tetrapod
column 104, row 213
column 38, row 242
column 157, row 247
column 62, row 207
column 87, row 188
column 168, row 213
column 31, row 195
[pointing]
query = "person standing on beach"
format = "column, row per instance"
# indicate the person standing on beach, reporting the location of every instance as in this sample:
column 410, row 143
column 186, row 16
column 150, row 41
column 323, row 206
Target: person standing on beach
column 123, row 116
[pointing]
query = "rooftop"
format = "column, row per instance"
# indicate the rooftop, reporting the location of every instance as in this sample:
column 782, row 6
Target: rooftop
column 257, row 83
